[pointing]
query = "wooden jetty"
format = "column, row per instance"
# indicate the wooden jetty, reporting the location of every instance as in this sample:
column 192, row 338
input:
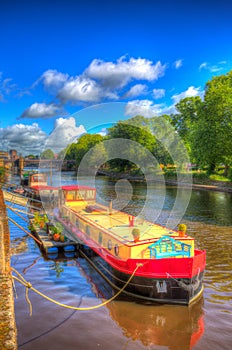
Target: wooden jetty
column 49, row 246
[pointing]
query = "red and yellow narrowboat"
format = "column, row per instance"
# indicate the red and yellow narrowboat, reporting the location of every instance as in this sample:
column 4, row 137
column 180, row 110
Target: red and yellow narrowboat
column 167, row 266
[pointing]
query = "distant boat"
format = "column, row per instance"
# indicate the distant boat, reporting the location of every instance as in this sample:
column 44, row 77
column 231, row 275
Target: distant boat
column 166, row 266
column 36, row 186
column 19, row 190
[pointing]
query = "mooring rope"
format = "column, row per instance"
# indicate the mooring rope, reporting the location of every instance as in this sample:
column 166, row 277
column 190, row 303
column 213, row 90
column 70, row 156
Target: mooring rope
column 16, row 212
column 21, row 228
column 28, row 286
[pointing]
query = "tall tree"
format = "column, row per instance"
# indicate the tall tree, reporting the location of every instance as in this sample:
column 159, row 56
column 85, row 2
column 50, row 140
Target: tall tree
column 187, row 118
column 82, row 146
column 212, row 139
column 140, row 135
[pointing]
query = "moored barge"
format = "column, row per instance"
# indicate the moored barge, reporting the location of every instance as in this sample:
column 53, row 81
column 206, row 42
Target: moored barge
column 166, row 266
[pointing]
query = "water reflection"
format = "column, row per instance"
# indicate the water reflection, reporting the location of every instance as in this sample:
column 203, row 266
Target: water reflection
column 176, row 327
column 19, row 245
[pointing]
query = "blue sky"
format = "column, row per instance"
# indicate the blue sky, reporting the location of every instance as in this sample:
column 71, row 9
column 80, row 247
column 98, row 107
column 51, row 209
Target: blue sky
column 58, row 58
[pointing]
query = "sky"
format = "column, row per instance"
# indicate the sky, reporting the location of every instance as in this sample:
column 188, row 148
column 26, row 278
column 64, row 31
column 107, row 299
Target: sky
column 75, row 66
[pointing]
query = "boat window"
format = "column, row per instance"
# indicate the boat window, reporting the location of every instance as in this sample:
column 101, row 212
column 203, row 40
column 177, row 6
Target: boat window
column 116, row 249
column 81, row 195
column 88, row 230
column 70, row 195
column 90, row 194
column 109, row 244
column 100, row 238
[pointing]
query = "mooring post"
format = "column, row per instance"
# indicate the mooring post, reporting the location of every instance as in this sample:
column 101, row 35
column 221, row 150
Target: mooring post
column 8, row 338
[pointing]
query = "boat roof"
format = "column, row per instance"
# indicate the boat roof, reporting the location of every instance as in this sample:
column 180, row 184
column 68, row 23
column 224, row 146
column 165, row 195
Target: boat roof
column 43, row 187
column 117, row 225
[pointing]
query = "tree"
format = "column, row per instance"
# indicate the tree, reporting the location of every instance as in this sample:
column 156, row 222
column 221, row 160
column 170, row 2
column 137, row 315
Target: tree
column 140, row 135
column 212, row 141
column 82, row 146
column 47, row 154
column 187, row 119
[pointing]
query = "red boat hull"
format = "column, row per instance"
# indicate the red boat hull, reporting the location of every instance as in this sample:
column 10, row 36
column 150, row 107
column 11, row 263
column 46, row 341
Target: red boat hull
column 167, row 280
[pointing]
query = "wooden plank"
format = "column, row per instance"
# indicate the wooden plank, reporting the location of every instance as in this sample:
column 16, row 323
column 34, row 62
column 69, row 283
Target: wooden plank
column 48, row 243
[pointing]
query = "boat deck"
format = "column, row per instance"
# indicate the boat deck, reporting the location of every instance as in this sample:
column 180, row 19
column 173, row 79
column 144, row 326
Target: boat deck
column 121, row 225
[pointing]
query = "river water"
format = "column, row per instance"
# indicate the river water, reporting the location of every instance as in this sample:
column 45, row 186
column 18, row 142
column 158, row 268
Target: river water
column 124, row 324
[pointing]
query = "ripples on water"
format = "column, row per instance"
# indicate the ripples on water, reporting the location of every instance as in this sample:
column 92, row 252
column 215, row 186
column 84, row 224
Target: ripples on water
column 122, row 324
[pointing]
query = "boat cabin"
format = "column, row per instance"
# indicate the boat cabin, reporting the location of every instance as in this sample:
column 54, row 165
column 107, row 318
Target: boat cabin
column 37, row 180
column 74, row 194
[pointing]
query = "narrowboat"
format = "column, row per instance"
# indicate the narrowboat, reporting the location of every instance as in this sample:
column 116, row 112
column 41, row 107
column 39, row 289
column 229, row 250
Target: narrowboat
column 36, row 187
column 165, row 264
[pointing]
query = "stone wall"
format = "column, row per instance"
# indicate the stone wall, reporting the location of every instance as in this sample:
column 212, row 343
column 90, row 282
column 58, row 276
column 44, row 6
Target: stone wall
column 8, row 333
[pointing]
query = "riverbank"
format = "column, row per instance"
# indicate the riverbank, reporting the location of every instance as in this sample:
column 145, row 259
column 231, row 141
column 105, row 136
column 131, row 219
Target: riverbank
column 8, row 332
column 7, row 317
column 197, row 183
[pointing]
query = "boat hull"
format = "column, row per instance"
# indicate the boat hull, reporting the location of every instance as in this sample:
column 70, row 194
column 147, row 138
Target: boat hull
column 161, row 290
column 163, row 281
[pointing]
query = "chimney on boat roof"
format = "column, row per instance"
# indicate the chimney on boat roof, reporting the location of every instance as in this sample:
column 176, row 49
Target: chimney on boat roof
column 110, row 207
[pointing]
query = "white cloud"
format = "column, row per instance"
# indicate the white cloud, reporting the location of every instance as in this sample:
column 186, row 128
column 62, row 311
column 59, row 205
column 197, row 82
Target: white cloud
column 6, row 87
column 102, row 80
column 53, row 79
column 203, row 65
column 145, row 108
column 190, row 92
column 117, row 75
column 136, row 90
column 40, row 110
column 178, row 64
column 27, row 139
column 158, row 93
column 31, row 139
column 65, row 131
column 80, row 89
column 212, row 68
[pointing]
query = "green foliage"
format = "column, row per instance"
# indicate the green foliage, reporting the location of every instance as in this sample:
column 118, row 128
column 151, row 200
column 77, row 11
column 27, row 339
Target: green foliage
column 85, row 143
column 212, row 142
column 2, row 171
column 57, row 228
column 182, row 227
column 47, row 154
column 140, row 135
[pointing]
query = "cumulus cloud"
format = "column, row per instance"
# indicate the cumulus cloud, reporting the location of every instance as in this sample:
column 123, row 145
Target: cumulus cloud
column 117, row 75
column 190, row 92
column 31, row 139
column 178, row 64
column 53, row 79
column 158, row 93
column 27, row 139
column 40, row 110
column 65, row 131
column 145, row 108
column 136, row 90
column 82, row 89
column 102, row 80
